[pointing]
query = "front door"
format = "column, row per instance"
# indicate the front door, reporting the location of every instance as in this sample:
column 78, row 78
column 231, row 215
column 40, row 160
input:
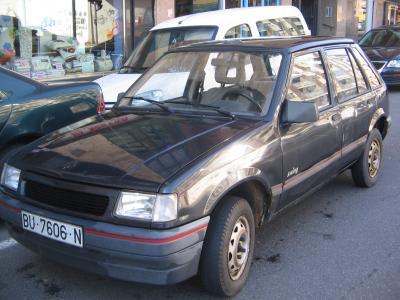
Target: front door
column 310, row 150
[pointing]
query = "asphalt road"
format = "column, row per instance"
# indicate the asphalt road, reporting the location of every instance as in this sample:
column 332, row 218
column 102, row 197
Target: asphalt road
column 341, row 243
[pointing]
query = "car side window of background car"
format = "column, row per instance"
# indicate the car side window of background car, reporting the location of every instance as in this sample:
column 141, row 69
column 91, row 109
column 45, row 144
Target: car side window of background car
column 369, row 73
column 240, row 31
column 342, row 74
column 360, row 79
column 308, row 80
column 290, row 26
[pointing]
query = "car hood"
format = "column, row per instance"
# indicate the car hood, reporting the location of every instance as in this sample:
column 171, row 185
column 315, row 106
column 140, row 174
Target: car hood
column 138, row 152
column 381, row 54
column 113, row 84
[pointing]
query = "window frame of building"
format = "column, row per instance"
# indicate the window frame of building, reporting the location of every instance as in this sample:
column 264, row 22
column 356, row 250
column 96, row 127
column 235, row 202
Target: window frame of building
column 239, row 33
column 319, row 57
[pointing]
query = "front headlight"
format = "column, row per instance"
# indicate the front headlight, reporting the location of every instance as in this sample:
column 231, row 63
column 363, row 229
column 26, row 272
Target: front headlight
column 395, row 63
column 156, row 208
column 10, row 177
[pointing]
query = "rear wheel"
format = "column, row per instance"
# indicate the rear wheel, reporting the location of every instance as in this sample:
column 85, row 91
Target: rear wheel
column 366, row 170
column 228, row 247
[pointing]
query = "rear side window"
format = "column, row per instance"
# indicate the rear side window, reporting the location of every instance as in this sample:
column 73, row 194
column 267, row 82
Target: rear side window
column 290, row 26
column 361, row 83
column 342, row 74
column 240, row 31
column 369, row 73
column 308, row 80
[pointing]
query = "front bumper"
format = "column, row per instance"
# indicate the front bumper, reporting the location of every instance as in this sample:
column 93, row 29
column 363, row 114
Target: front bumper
column 133, row 254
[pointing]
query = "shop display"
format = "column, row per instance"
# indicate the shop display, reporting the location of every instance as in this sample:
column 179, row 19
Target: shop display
column 7, row 38
column 22, row 66
column 87, row 61
column 25, row 42
column 103, row 63
column 42, row 40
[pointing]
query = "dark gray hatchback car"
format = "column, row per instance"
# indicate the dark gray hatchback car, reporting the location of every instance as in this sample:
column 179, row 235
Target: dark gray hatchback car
column 211, row 141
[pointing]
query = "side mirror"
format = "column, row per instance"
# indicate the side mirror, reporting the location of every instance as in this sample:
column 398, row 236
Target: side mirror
column 300, row 112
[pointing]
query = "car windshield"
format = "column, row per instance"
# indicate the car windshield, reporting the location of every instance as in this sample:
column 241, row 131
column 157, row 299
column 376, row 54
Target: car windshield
column 381, row 38
column 156, row 43
column 228, row 82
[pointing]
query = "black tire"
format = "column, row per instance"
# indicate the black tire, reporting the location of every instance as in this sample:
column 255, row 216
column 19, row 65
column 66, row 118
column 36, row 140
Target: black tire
column 7, row 153
column 232, row 213
column 363, row 175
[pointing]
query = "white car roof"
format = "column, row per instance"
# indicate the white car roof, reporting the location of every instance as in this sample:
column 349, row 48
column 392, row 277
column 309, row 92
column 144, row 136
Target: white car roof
column 231, row 17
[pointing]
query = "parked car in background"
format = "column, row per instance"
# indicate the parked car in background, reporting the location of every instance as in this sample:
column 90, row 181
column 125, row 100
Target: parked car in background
column 252, row 22
column 156, row 191
column 29, row 109
column 382, row 46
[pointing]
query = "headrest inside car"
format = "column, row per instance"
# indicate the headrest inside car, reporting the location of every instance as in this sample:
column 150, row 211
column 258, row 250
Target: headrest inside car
column 228, row 72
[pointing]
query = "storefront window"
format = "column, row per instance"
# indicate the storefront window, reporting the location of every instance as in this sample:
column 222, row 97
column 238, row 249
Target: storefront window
column 46, row 39
column 186, row 7
column 361, row 11
column 232, row 3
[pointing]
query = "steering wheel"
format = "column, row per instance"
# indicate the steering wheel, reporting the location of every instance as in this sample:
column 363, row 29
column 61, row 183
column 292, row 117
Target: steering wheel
column 240, row 92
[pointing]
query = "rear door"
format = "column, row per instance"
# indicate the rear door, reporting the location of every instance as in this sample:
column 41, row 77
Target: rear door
column 356, row 100
column 310, row 150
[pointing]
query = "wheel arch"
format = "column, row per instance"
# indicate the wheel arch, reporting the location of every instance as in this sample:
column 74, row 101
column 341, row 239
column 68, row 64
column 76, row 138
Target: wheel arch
column 253, row 189
column 380, row 121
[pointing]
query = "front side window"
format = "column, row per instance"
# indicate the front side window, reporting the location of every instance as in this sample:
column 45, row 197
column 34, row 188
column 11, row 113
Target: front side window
column 308, row 80
column 289, row 26
column 342, row 74
column 240, row 31
column 238, row 82
column 370, row 74
column 158, row 42
column 381, row 38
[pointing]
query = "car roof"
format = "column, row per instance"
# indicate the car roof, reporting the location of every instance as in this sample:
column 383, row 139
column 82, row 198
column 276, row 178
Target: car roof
column 285, row 44
column 232, row 15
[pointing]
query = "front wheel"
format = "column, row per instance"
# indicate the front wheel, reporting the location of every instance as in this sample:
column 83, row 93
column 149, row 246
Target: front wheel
column 366, row 170
column 228, row 247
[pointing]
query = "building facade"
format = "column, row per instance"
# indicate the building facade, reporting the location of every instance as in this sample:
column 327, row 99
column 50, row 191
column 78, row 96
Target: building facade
column 52, row 39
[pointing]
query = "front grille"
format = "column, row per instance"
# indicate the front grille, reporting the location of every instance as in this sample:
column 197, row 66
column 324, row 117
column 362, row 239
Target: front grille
column 66, row 199
column 378, row 64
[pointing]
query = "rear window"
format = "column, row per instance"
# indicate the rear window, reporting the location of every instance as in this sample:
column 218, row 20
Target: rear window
column 288, row 26
column 240, row 31
column 369, row 73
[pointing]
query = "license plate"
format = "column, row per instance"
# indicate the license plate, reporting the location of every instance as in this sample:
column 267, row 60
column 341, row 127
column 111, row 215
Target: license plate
column 52, row 229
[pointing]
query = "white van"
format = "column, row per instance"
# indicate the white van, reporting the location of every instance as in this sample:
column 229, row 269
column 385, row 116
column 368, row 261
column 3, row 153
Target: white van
column 250, row 22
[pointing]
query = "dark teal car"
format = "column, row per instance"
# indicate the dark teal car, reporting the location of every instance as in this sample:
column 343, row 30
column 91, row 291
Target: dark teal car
column 29, row 109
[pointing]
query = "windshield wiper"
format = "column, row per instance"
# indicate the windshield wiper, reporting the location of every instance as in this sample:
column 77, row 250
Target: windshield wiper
column 215, row 108
column 159, row 104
